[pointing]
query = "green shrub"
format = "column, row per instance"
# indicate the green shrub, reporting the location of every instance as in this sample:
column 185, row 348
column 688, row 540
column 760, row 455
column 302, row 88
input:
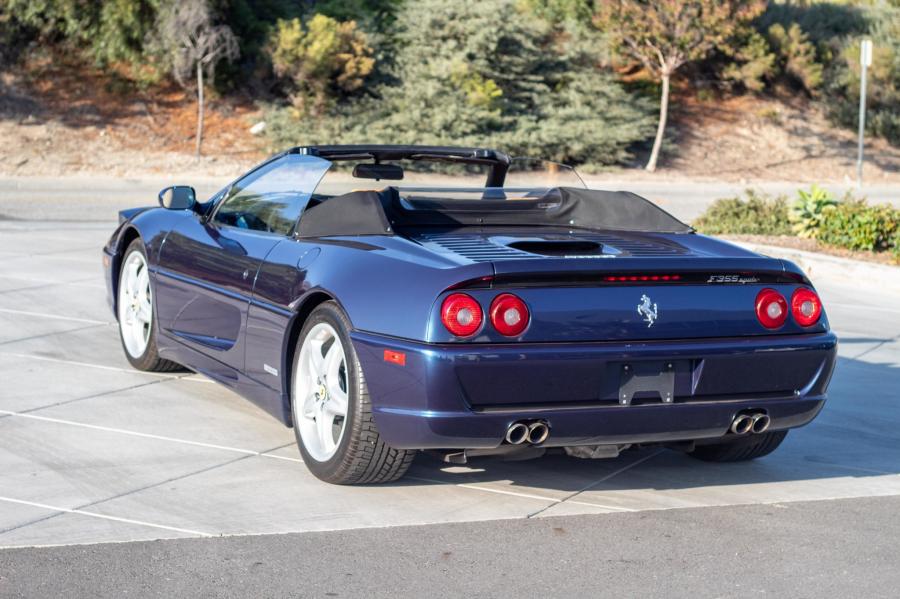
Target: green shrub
column 895, row 245
column 855, row 225
column 755, row 215
column 325, row 60
column 112, row 30
column 752, row 61
column 796, row 55
column 809, row 209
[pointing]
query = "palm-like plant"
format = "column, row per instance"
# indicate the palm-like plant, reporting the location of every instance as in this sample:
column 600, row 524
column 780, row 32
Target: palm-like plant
column 809, row 210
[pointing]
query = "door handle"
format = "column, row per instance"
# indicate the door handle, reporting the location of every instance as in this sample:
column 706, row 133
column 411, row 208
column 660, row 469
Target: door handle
column 246, row 274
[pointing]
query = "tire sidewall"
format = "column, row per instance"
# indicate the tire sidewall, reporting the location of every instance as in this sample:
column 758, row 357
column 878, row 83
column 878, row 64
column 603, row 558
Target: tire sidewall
column 331, row 314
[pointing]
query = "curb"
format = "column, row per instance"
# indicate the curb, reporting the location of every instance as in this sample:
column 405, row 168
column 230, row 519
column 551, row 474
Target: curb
column 823, row 266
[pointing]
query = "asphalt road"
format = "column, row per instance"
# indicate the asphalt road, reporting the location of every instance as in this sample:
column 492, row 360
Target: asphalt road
column 842, row 548
column 209, row 495
column 99, row 198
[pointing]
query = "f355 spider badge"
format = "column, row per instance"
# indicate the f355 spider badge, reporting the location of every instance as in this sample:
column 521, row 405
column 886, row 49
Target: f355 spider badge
column 648, row 310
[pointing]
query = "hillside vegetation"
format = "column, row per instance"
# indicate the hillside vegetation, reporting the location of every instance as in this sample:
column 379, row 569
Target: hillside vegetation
column 555, row 78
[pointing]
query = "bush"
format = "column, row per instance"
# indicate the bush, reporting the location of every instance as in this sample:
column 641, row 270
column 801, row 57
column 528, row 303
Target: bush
column 752, row 62
column 796, row 55
column 809, row 210
column 760, row 58
column 112, row 30
column 755, row 215
column 325, row 60
column 855, row 225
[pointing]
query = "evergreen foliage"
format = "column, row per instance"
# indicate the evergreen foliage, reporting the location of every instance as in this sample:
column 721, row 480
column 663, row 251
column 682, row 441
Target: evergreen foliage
column 464, row 76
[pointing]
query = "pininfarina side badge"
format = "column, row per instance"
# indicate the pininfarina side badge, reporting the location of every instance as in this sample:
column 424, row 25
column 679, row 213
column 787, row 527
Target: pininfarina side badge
column 648, row 310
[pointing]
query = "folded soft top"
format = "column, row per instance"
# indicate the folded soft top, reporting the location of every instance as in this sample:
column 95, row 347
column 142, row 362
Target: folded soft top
column 380, row 213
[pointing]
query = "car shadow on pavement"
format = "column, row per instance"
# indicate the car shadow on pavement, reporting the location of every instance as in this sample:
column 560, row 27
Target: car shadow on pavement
column 856, row 436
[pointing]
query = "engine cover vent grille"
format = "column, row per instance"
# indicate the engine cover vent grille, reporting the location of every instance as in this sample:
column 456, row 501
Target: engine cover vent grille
column 475, row 247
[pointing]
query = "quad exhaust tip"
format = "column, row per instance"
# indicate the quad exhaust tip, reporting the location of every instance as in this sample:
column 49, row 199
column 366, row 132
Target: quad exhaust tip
column 756, row 423
column 517, row 433
column 761, row 423
column 533, row 433
column 538, row 433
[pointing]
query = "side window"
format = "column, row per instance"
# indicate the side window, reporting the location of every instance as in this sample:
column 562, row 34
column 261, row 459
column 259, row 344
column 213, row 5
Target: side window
column 272, row 197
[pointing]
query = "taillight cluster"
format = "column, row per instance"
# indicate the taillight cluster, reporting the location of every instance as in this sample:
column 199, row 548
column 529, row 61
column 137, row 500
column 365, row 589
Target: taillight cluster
column 462, row 315
column 772, row 308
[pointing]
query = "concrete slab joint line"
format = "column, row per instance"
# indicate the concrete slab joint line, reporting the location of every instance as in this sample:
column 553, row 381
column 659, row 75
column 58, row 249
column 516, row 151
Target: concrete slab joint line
column 568, row 498
column 110, row 429
column 80, row 512
column 28, row 313
column 188, row 377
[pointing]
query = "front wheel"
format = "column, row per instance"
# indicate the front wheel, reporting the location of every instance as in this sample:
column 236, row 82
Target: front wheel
column 331, row 409
column 740, row 450
column 134, row 303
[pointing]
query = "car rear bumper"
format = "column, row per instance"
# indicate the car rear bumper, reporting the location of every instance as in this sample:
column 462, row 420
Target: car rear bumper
column 465, row 396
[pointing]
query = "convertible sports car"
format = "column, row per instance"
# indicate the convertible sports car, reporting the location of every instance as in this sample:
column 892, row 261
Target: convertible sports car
column 519, row 313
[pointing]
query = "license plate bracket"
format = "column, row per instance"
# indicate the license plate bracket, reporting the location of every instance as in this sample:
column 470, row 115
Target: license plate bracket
column 647, row 378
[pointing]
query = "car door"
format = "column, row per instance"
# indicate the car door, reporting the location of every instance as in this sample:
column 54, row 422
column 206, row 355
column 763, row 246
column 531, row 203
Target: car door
column 208, row 264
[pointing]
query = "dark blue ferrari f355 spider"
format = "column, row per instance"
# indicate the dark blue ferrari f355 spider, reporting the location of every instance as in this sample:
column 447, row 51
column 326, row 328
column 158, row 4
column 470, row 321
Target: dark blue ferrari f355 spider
column 515, row 312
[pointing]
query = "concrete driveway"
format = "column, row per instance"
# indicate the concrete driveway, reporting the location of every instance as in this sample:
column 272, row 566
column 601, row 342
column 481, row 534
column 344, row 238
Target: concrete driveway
column 92, row 451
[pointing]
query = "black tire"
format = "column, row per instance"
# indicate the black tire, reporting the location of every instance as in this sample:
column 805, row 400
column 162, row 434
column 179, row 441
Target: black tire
column 149, row 361
column 362, row 457
column 741, row 450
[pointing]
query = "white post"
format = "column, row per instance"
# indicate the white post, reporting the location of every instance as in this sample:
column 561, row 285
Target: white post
column 865, row 61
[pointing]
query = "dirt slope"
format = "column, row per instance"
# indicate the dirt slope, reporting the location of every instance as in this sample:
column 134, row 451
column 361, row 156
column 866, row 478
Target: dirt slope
column 60, row 118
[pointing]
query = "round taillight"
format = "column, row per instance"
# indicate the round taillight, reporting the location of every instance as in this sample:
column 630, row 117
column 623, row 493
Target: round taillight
column 509, row 315
column 461, row 314
column 806, row 307
column 771, row 308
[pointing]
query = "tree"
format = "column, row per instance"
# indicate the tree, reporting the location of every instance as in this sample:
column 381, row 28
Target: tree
column 663, row 35
column 488, row 73
column 193, row 44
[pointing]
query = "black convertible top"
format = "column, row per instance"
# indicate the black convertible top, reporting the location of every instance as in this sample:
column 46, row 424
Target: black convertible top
column 382, row 212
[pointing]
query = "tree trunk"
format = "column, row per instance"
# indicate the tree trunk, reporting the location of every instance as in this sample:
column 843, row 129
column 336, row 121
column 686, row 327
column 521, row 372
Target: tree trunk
column 199, row 107
column 660, row 129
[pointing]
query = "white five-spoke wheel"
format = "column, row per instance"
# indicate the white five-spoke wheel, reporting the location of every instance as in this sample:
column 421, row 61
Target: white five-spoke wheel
column 135, row 312
column 331, row 409
column 322, row 392
column 135, row 304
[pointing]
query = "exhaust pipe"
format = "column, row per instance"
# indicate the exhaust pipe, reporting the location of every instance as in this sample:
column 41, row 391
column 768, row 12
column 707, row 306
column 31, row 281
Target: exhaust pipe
column 538, row 433
column 742, row 424
column 760, row 422
column 517, row 433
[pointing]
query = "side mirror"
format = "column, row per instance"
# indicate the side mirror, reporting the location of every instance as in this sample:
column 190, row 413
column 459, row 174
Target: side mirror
column 178, row 197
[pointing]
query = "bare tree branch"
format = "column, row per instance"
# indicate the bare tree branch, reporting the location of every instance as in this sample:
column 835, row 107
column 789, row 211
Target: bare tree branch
column 193, row 44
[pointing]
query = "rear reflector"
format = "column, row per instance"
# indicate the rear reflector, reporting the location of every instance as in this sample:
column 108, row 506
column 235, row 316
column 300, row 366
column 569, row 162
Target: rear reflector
column 806, row 307
column 771, row 308
column 509, row 315
column 461, row 314
column 395, row 357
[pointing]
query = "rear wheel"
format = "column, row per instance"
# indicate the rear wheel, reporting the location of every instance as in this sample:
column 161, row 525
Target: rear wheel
column 746, row 448
column 331, row 409
column 134, row 305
